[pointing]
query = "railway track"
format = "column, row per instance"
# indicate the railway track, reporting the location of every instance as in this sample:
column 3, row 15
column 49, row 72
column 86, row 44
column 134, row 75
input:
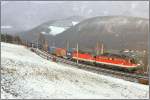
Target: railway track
column 122, row 75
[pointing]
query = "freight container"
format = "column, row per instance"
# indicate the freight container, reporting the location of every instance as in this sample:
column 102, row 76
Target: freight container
column 60, row 52
column 52, row 50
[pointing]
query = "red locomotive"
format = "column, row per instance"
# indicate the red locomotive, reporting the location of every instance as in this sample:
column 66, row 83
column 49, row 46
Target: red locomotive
column 114, row 61
column 107, row 60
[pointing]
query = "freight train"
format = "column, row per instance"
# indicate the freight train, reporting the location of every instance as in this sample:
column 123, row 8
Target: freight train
column 106, row 60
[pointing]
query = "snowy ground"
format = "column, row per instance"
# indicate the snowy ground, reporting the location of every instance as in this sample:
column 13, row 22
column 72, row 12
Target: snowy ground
column 25, row 75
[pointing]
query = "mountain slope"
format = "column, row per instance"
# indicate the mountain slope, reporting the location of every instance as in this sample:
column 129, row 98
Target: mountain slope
column 116, row 32
column 51, row 28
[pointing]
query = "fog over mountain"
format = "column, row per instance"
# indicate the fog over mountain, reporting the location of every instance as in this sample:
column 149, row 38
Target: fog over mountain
column 18, row 16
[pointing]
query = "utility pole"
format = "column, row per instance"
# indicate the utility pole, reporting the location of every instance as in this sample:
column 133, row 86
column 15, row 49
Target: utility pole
column 14, row 40
column 102, row 49
column 147, row 53
column 77, row 53
column 97, row 48
column 32, row 44
column 148, row 68
column 26, row 43
column 46, row 45
column 67, row 45
column 37, row 44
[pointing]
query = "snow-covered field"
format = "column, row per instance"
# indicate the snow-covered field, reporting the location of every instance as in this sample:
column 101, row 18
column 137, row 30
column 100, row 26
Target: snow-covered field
column 25, row 75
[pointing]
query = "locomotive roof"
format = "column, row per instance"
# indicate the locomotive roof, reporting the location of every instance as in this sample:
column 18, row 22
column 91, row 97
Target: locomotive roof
column 118, row 55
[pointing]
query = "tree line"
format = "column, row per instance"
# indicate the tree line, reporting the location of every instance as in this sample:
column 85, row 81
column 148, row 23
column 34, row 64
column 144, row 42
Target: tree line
column 10, row 39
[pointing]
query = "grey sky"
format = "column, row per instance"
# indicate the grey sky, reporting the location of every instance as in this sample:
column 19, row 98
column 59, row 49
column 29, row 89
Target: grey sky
column 24, row 15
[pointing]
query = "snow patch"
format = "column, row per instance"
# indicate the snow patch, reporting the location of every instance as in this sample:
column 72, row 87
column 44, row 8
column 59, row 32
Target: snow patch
column 56, row 30
column 74, row 23
column 43, row 32
column 25, row 75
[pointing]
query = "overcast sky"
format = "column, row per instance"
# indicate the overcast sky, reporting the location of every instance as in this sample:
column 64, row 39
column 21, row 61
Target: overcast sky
column 24, row 15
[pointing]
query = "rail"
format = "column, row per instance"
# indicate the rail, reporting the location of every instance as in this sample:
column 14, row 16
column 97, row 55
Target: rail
column 118, row 74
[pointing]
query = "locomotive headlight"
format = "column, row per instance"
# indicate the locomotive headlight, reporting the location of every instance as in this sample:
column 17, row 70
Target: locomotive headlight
column 69, row 54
